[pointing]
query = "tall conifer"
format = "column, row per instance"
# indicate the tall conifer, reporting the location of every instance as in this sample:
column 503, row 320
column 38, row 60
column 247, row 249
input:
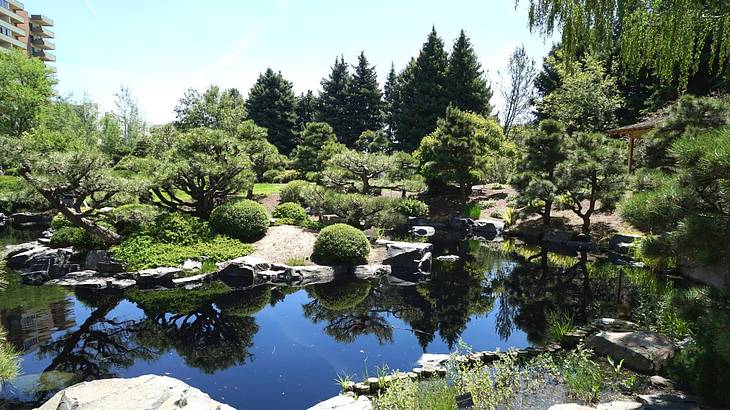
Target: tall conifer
column 466, row 86
column 365, row 101
column 270, row 105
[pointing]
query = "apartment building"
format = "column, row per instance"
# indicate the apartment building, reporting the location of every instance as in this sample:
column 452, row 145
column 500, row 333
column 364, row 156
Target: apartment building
column 24, row 31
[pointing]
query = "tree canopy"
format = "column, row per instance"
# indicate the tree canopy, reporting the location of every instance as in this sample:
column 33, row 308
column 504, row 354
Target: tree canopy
column 271, row 104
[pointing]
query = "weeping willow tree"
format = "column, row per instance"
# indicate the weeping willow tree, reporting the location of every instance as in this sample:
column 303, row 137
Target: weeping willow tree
column 666, row 35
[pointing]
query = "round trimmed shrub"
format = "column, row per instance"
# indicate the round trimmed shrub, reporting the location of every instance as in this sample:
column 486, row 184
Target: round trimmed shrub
column 412, row 207
column 76, row 237
column 341, row 244
column 291, row 211
column 245, row 220
column 294, row 192
column 179, row 229
column 341, row 296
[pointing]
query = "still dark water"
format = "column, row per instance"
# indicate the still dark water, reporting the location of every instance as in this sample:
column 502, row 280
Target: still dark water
column 280, row 348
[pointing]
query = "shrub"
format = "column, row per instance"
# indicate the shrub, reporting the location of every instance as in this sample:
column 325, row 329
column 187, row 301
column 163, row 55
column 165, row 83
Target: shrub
column 9, row 364
column 59, row 221
column 245, row 220
column 179, row 229
column 294, row 192
column 412, row 207
column 143, row 251
column 355, row 209
column 582, row 375
column 290, row 210
column 341, row 244
column 76, row 237
column 473, row 210
column 133, row 217
column 285, row 176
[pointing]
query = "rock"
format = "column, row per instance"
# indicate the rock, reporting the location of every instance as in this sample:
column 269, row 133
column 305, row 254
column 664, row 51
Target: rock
column 560, row 237
column 331, row 220
column 371, row 271
column 717, row 274
column 19, row 257
column 190, row 264
column 619, row 405
column 192, row 280
column 643, row 352
column 34, row 278
column 121, row 284
column 313, row 274
column 489, row 226
column 569, row 406
column 155, row 275
column 12, row 250
column 665, row 401
column 432, row 361
column 460, row 223
column 582, row 246
column 343, row 402
column 448, row 258
column 661, row 382
column 408, row 256
column 94, row 257
column 616, row 325
column 139, row 393
column 27, row 219
column 621, row 243
column 423, row 231
column 414, row 221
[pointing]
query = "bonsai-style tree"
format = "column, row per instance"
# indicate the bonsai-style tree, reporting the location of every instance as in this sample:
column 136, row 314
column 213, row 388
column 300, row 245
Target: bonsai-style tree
column 542, row 152
column 196, row 170
column 456, row 152
column 592, row 176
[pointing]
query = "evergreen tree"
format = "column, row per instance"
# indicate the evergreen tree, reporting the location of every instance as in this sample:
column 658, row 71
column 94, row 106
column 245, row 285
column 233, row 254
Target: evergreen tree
column 333, row 99
column 365, row 104
column 424, row 97
column 307, row 109
column 270, row 104
column 318, row 144
column 466, row 86
column 391, row 103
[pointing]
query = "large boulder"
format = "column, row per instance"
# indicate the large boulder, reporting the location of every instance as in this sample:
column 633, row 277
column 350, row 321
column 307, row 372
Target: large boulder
column 343, row 402
column 140, row 393
column 103, row 262
column 155, row 276
column 407, row 256
column 19, row 256
column 489, row 227
column 643, row 352
column 621, row 243
column 29, row 219
column 668, row 401
column 423, row 231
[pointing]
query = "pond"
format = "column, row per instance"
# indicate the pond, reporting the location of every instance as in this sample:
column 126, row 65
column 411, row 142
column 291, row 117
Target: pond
column 284, row 348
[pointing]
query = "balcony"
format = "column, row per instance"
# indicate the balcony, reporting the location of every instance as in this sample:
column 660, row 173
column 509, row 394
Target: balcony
column 15, row 30
column 12, row 15
column 41, row 20
column 41, row 31
column 10, row 42
column 15, row 5
column 43, row 55
column 42, row 43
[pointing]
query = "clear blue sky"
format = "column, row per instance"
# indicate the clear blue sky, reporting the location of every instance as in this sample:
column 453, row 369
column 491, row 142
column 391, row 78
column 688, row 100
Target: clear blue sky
column 160, row 48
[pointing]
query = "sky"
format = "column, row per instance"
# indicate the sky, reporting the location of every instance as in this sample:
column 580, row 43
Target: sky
column 160, row 48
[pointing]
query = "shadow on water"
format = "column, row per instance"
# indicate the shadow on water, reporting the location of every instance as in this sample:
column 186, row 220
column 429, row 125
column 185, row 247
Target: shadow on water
column 288, row 344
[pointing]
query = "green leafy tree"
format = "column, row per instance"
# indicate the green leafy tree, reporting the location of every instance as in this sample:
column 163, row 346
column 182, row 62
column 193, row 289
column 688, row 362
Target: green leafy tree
column 214, row 108
column 460, row 135
column 542, row 152
column 26, row 86
column 591, row 178
column 364, row 103
column 466, row 87
column 356, row 171
column 333, row 100
column 307, row 109
column 195, row 171
column 518, row 90
column 373, row 142
column 318, row 144
column 647, row 33
column 423, row 93
column 391, row 103
column 586, row 99
column 126, row 111
column 271, row 104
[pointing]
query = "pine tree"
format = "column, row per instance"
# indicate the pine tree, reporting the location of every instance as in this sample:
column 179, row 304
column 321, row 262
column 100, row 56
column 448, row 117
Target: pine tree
column 333, row 99
column 307, row 109
column 391, row 103
column 466, row 86
column 424, row 97
column 270, row 105
column 365, row 104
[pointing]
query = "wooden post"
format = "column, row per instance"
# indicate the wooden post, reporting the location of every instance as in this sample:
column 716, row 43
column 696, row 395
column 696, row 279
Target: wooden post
column 631, row 154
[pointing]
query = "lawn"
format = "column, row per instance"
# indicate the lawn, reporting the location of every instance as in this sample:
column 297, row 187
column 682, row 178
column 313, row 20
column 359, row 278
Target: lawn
column 267, row 189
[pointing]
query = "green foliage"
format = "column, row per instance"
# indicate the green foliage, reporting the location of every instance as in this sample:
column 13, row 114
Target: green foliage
column 509, row 216
column 143, row 252
column 179, row 229
column 245, row 302
column 373, row 142
column 294, row 191
column 177, row 301
column 559, row 324
column 333, row 100
column 74, row 236
column 214, row 108
column 59, row 221
column 297, row 261
column 466, row 85
column 412, row 207
column 582, row 375
column 245, row 220
column 466, row 136
column 290, row 210
column 26, row 86
column 341, row 244
column 356, row 209
column 406, row 394
column 307, row 109
column 271, row 104
column 364, row 102
column 340, row 296
column 473, row 210
column 586, row 99
column 354, row 171
column 318, row 143
column 9, row 362
column 133, row 217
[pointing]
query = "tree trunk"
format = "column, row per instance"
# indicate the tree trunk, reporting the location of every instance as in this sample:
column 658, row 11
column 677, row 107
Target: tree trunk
column 546, row 213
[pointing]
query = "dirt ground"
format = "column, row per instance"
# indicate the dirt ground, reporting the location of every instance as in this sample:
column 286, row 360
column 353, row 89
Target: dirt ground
column 282, row 243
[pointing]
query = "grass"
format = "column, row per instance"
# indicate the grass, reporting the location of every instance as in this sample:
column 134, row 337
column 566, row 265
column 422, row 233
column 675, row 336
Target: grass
column 559, row 324
column 9, row 364
column 298, row 261
column 267, row 189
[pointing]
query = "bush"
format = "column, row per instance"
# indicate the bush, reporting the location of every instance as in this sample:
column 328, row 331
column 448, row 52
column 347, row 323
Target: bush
column 133, row 217
column 341, row 244
column 291, row 211
column 179, row 229
column 294, row 191
column 278, row 176
column 245, row 220
column 59, row 221
column 9, row 363
column 412, row 207
column 473, row 210
column 143, row 251
column 76, row 237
